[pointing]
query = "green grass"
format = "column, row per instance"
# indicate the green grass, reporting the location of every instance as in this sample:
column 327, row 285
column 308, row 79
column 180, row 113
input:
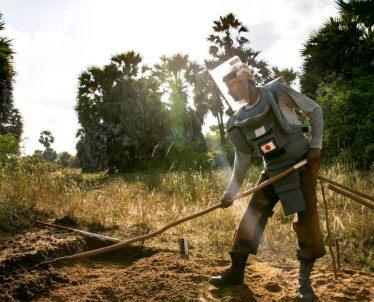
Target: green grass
column 124, row 206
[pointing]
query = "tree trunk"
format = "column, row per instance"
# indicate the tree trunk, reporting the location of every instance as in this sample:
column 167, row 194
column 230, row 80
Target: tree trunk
column 220, row 126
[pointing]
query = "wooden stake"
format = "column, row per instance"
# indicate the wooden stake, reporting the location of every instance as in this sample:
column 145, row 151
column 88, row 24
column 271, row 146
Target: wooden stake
column 328, row 232
column 337, row 251
column 141, row 246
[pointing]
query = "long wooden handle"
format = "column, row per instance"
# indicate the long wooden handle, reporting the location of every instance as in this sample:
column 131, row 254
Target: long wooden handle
column 349, row 195
column 347, row 188
column 147, row 236
column 77, row 231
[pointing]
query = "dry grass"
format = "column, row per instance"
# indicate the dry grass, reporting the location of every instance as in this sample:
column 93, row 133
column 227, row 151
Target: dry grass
column 124, row 206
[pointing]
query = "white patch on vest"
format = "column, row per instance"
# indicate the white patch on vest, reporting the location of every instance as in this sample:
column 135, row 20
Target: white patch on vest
column 270, row 146
column 260, row 131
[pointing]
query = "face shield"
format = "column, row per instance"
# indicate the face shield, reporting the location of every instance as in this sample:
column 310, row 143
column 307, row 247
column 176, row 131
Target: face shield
column 232, row 78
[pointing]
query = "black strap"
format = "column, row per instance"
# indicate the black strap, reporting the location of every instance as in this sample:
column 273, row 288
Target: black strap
column 264, row 209
column 302, row 245
column 249, row 244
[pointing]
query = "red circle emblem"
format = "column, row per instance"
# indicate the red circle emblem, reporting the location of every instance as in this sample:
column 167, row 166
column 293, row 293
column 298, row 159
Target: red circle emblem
column 267, row 147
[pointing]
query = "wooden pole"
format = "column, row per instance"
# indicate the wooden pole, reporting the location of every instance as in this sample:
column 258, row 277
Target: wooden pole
column 77, row 231
column 141, row 246
column 328, row 232
column 347, row 188
column 168, row 226
column 337, row 251
column 349, row 195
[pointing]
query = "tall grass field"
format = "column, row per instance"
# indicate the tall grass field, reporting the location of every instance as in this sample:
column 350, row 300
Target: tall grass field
column 124, row 206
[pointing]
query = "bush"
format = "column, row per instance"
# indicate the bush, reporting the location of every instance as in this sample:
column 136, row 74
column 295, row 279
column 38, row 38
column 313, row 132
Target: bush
column 348, row 110
column 9, row 146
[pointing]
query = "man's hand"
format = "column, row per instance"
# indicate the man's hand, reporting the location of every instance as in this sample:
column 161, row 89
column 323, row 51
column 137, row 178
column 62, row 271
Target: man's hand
column 226, row 202
column 314, row 156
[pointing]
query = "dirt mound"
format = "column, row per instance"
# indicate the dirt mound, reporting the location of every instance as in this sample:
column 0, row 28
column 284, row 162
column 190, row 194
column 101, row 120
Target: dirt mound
column 159, row 276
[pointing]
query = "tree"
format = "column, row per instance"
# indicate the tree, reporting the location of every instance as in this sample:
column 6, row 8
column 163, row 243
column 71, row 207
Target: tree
column 7, row 74
column 343, row 46
column 49, row 155
column 64, row 158
column 348, row 111
column 15, row 125
column 46, row 138
column 227, row 41
column 38, row 154
column 288, row 76
column 338, row 63
column 177, row 75
column 122, row 117
column 9, row 146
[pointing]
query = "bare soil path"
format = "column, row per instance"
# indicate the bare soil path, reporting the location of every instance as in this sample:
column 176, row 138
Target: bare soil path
column 158, row 276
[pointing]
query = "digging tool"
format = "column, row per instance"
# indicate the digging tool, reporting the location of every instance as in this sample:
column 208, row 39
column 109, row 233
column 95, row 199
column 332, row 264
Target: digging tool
column 168, row 226
column 77, row 231
column 349, row 195
column 328, row 229
column 347, row 188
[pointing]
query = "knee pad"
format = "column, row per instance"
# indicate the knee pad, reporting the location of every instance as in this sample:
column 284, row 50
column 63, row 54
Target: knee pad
column 264, row 209
column 253, row 244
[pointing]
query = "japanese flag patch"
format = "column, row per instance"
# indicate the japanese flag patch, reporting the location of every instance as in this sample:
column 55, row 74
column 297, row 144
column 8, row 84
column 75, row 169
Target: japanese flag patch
column 269, row 146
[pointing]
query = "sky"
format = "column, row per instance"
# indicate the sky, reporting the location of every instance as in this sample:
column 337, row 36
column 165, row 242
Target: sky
column 55, row 40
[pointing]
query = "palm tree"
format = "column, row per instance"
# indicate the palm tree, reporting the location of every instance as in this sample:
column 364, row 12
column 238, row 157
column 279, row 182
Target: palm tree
column 288, row 76
column 7, row 74
column 177, row 75
column 121, row 114
column 46, row 138
column 228, row 41
column 343, row 46
column 226, row 37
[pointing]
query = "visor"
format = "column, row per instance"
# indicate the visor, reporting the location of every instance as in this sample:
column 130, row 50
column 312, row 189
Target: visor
column 231, row 78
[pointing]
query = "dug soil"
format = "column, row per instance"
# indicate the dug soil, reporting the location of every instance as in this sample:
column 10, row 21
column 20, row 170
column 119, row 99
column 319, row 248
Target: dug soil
column 159, row 275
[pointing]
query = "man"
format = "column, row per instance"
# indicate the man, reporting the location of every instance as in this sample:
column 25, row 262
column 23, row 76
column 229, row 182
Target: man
column 265, row 122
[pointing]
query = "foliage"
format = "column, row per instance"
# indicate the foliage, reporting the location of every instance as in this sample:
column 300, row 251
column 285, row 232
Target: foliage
column 342, row 47
column 122, row 117
column 223, row 154
column 7, row 74
column 63, row 158
column 227, row 41
column 10, row 118
column 49, row 155
column 177, row 76
column 288, row 75
column 348, row 110
column 73, row 162
column 9, row 145
column 46, row 138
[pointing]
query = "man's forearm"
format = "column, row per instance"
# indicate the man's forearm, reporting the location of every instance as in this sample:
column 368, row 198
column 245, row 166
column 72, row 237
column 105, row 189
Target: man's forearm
column 239, row 173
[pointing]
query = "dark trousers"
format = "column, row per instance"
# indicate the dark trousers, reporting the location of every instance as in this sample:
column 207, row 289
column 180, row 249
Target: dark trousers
column 306, row 223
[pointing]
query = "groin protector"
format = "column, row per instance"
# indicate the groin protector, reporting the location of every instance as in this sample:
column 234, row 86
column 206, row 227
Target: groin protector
column 231, row 78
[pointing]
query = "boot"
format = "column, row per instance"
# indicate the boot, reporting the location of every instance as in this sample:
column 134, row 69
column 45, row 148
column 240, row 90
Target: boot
column 306, row 292
column 233, row 275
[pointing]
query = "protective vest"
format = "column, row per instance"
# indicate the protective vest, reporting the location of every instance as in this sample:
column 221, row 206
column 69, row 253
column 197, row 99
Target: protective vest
column 264, row 129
